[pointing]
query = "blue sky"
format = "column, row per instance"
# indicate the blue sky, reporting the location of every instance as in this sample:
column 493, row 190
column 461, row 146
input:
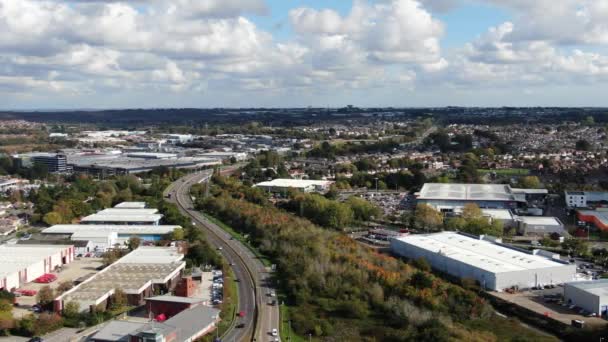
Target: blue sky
column 281, row 53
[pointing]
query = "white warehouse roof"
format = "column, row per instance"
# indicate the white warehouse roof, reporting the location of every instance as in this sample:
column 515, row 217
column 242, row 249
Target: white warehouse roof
column 152, row 255
column 467, row 192
column 124, row 215
column 539, row 220
column 131, row 205
column 293, row 183
column 481, row 254
column 596, row 287
column 14, row 258
column 108, row 228
column 127, row 211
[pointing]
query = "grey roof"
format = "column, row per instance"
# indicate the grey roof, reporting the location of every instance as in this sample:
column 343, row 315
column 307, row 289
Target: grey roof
column 467, row 192
column 176, row 299
column 117, row 331
column 186, row 323
column 595, row 287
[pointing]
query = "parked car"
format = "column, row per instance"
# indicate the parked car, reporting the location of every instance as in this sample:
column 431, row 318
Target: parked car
column 274, row 332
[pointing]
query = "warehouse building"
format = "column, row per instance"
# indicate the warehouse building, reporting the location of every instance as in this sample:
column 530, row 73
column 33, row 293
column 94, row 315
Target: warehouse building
column 140, row 274
column 592, row 296
column 495, row 266
column 188, row 325
column 586, row 199
column 449, row 197
column 598, row 218
column 124, row 216
column 21, row 264
column 131, row 205
column 539, row 225
column 106, row 236
column 281, row 185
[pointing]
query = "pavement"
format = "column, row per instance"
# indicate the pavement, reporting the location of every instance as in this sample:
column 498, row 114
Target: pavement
column 254, row 278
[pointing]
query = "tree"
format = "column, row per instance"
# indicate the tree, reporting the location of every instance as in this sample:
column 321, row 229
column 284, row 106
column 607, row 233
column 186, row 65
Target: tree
column 589, row 121
column 363, row 210
column 134, row 242
column 428, row 218
column 471, row 211
column 45, row 295
column 576, row 246
column 71, row 310
column 119, row 299
column 52, row 218
column 177, row 234
column 529, row 182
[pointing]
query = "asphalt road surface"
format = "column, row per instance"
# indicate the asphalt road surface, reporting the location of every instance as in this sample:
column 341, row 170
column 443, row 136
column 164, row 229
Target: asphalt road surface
column 254, row 284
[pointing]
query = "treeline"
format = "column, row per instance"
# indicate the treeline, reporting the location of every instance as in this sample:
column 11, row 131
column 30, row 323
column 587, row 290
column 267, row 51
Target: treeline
column 330, row 213
column 343, row 291
column 330, row 151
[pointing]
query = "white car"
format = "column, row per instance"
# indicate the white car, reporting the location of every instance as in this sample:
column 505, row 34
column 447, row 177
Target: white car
column 274, row 332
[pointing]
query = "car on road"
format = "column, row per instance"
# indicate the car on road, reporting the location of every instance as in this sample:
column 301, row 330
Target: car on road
column 274, row 332
column 219, row 248
column 240, row 325
column 36, row 339
column 241, row 314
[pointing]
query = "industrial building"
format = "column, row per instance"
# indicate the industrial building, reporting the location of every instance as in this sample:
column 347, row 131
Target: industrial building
column 598, row 218
column 539, row 225
column 495, row 266
column 131, row 205
column 54, row 162
column 188, row 325
column 124, row 216
column 106, row 236
column 586, row 199
column 21, row 264
column 448, row 197
column 110, row 164
column 139, row 274
column 281, row 185
column 592, row 296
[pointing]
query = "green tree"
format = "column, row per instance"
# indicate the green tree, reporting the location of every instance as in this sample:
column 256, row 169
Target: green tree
column 428, row 218
column 178, row 234
column 52, row 218
column 71, row 310
column 529, row 182
column 363, row 210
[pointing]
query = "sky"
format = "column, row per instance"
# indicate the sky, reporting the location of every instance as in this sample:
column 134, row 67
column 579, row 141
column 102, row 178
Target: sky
column 76, row 54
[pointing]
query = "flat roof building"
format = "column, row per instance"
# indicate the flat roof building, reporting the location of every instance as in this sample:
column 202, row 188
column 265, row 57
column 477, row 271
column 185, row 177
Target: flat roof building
column 139, row 274
column 585, row 199
column 540, row 225
column 21, row 264
column 447, row 197
column 495, row 266
column 592, row 296
column 124, row 216
column 281, row 185
column 131, row 205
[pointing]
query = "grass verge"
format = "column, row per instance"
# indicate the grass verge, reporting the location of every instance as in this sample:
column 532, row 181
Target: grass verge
column 239, row 237
column 285, row 331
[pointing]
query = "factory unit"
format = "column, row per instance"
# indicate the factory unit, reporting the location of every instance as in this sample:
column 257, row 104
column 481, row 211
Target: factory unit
column 450, row 197
column 592, row 296
column 140, row 274
column 495, row 266
column 281, row 185
column 124, row 216
column 188, row 325
column 106, row 236
column 599, row 218
column 586, row 199
column 131, row 205
column 21, row 264
column 539, row 225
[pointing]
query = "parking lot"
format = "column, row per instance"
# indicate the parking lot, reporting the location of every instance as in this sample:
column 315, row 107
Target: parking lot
column 80, row 268
column 548, row 302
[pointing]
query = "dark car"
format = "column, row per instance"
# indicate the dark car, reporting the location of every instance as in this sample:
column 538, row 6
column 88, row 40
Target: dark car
column 36, row 339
